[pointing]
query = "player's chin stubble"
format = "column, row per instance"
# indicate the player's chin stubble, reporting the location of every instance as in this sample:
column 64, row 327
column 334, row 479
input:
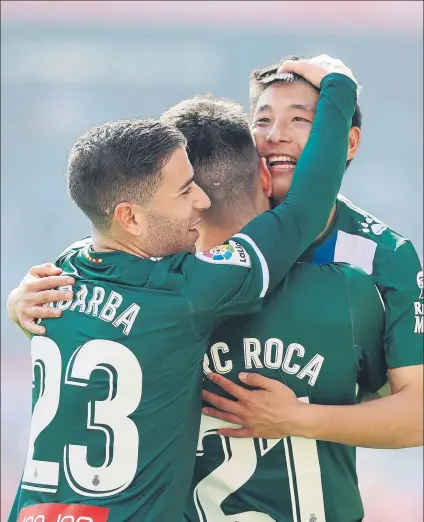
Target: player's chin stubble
column 168, row 237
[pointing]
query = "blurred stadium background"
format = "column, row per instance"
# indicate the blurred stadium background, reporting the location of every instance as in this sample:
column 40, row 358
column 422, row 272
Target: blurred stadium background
column 66, row 66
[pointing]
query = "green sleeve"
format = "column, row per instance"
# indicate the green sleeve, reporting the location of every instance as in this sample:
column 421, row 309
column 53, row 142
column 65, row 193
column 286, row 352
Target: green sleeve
column 400, row 281
column 274, row 240
column 284, row 233
column 367, row 312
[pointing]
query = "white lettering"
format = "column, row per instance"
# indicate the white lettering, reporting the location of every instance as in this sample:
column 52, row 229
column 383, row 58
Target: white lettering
column 419, row 308
column 81, row 297
column 127, row 318
column 293, row 347
column 419, row 324
column 252, row 350
column 93, row 304
column 64, row 305
column 206, row 368
column 273, row 362
column 215, row 349
column 312, row 369
column 109, row 310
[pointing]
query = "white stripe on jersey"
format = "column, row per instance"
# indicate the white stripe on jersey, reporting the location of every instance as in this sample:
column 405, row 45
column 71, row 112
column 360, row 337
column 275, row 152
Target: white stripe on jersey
column 356, row 250
column 262, row 260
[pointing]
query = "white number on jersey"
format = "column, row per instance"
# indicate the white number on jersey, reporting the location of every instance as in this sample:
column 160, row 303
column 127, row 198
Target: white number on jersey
column 109, row 416
column 240, row 461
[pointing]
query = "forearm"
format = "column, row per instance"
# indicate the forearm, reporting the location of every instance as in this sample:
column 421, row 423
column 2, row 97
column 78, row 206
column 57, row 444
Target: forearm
column 322, row 164
column 301, row 217
column 391, row 422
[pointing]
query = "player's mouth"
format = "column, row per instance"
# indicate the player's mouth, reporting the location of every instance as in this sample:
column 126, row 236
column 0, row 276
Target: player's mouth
column 281, row 163
column 192, row 228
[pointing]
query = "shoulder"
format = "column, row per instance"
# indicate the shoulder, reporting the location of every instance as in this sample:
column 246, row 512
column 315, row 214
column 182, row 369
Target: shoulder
column 358, row 222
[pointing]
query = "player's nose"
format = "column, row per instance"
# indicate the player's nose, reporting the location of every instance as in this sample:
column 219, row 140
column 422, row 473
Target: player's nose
column 201, row 201
column 278, row 134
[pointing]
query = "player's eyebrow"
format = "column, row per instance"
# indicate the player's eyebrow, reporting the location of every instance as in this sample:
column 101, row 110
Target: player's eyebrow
column 302, row 107
column 186, row 183
column 299, row 106
column 265, row 107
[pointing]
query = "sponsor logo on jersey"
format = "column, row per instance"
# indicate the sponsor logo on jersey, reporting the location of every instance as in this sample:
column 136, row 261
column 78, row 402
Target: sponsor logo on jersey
column 374, row 226
column 230, row 254
column 63, row 513
column 220, row 253
column 419, row 306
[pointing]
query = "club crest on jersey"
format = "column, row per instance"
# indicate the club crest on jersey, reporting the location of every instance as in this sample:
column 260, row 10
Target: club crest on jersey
column 229, row 254
column 372, row 225
column 420, row 283
column 419, row 306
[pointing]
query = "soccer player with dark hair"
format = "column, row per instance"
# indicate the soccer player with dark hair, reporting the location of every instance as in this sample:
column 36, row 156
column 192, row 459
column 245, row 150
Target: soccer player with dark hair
column 320, row 332
column 117, row 377
column 283, row 107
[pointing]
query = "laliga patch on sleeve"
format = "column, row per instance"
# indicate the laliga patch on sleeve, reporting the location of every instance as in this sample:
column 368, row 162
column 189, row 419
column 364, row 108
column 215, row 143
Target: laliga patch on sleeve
column 231, row 254
column 59, row 512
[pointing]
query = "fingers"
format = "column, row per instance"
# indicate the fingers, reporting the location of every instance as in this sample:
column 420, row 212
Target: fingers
column 293, row 66
column 31, row 326
column 230, row 387
column 28, row 319
column 258, row 381
column 46, row 269
column 47, row 283
column 315, row 69
column 48, row 296
column 237, row 433
column 221, row 403
column 40, row 312
column 222, row 415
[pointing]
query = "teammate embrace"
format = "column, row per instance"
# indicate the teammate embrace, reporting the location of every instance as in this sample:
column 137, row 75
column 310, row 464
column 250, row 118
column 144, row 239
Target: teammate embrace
column 296, row 291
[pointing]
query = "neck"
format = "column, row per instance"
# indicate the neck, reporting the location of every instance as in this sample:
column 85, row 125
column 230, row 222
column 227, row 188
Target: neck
column 103, row 243
column 329, row 222
column 212, row 235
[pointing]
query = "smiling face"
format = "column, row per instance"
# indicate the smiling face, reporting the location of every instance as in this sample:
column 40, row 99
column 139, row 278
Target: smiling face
column 282, row 122
column 168, row 223
column 176, row 207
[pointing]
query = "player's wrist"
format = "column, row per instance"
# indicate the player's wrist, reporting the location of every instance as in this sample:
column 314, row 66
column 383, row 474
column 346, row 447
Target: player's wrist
column 304, row 420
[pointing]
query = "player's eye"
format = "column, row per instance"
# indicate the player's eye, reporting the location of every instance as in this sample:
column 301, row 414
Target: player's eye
column 262, row 120
column 187, row 191
column 299, row 118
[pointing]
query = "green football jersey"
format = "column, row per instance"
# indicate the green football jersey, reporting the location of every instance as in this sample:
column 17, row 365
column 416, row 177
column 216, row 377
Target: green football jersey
column 321, row 334
column 117, row 378
column 359, row 238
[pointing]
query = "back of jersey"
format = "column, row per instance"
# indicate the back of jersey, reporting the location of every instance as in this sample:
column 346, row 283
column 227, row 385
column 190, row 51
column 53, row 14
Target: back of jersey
column 116, row 411
column 321, row 334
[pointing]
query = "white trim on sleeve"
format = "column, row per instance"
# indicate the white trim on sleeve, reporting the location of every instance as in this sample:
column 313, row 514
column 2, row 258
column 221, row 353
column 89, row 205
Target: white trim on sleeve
column 262, row 260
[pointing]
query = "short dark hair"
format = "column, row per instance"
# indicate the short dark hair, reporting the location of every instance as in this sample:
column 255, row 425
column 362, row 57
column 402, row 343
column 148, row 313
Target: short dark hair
column 119, row 161
column 220, row 148
column 261, row 79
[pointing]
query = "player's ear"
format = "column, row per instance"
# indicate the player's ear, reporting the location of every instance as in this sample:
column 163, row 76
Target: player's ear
column 130, row 217
column 354, row 140
column 265, row 177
